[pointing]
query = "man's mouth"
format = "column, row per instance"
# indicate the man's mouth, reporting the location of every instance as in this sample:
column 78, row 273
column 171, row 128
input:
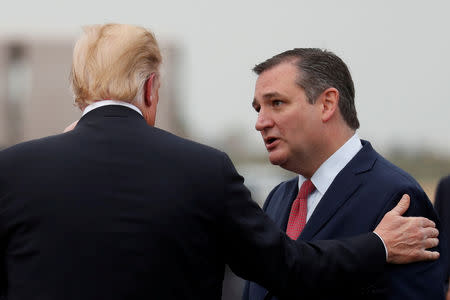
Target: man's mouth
column 271, row 142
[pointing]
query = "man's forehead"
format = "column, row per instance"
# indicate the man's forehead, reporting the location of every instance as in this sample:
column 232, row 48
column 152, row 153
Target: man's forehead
column 269, row 95
column 274, row 81
column 283, row 72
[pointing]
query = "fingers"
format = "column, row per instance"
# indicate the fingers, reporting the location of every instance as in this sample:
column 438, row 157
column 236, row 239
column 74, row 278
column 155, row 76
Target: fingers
column 431, row 243
column 429, row 255
column 426, row 222
column 402, row 205
column 430, row 232
column 71, row 126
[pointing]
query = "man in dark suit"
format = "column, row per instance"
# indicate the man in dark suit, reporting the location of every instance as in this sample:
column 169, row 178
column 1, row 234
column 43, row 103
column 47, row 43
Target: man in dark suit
column 442, row 206
column 118, row 209
column 307, row 118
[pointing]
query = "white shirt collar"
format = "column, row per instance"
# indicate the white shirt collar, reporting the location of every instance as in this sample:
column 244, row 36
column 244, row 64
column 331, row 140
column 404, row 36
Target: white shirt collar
column 326, row 173
column 101, row 103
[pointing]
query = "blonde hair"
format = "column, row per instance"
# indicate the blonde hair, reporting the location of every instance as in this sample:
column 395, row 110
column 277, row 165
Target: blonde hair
column 113, row 61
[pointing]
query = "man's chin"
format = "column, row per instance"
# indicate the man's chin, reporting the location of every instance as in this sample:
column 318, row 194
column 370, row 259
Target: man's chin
column 276, row 159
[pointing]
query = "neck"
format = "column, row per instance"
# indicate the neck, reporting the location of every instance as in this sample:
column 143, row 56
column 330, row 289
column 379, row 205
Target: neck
column 331, row 140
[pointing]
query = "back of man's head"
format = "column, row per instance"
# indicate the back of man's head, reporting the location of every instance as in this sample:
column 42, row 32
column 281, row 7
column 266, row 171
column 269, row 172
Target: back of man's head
column 113, row 61
column 319, row 70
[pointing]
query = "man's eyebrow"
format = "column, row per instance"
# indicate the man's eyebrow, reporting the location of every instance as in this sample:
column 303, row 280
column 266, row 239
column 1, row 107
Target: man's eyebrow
column 267, row 96
column 272, row 95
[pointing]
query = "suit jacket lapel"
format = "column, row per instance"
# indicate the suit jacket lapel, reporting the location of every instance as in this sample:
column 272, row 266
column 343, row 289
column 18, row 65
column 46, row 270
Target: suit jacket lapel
column 285, row 207
column 279, row 203
column 346, row 183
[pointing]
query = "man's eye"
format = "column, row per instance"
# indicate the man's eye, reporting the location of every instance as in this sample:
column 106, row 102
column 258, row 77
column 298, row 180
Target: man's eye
column 257, row 108
column 277, row 102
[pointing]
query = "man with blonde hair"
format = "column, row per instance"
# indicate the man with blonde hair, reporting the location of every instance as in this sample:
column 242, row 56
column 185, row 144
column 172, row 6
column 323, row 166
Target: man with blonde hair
column 117, row 209
column 119, row 61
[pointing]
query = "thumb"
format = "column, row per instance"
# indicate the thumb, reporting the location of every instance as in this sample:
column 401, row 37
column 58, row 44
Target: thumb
column 402, row 205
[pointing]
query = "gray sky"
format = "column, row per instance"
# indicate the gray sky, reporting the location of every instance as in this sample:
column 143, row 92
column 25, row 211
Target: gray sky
column 397, row 51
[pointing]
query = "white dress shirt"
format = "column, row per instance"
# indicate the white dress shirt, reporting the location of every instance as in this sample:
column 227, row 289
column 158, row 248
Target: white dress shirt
column 101, row 103
column 326, row 173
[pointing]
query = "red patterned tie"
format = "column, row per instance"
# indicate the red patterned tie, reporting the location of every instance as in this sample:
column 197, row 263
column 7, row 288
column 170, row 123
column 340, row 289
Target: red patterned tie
column 299, row 209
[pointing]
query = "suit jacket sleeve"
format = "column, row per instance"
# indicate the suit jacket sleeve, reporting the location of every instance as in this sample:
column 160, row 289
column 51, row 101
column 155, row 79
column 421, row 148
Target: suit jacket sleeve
column 257, row 250
column 246, row 291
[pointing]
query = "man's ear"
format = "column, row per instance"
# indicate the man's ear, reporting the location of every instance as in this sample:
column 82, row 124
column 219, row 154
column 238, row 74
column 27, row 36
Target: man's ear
column 330, row 101
column 148, row 90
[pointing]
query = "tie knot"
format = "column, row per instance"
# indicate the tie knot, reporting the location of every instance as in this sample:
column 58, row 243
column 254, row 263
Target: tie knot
column 306, row 189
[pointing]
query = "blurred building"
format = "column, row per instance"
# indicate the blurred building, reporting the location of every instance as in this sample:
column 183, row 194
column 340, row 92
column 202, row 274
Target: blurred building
column 35, row 95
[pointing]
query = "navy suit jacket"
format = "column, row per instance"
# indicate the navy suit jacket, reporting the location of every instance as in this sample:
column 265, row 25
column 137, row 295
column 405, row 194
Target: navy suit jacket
column 116, row 209
column 356, row 201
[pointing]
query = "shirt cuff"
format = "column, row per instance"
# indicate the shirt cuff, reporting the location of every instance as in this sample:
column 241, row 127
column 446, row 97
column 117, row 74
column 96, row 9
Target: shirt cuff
column 385, row 248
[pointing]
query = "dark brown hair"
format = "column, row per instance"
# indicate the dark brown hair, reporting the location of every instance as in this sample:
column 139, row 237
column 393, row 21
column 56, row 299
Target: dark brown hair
column 318, row 70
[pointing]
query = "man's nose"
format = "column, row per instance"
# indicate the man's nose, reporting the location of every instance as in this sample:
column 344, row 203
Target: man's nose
column 263, row 121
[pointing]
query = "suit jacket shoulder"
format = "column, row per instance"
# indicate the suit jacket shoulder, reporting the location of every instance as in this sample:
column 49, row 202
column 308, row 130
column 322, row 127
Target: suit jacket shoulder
column 280, row 189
